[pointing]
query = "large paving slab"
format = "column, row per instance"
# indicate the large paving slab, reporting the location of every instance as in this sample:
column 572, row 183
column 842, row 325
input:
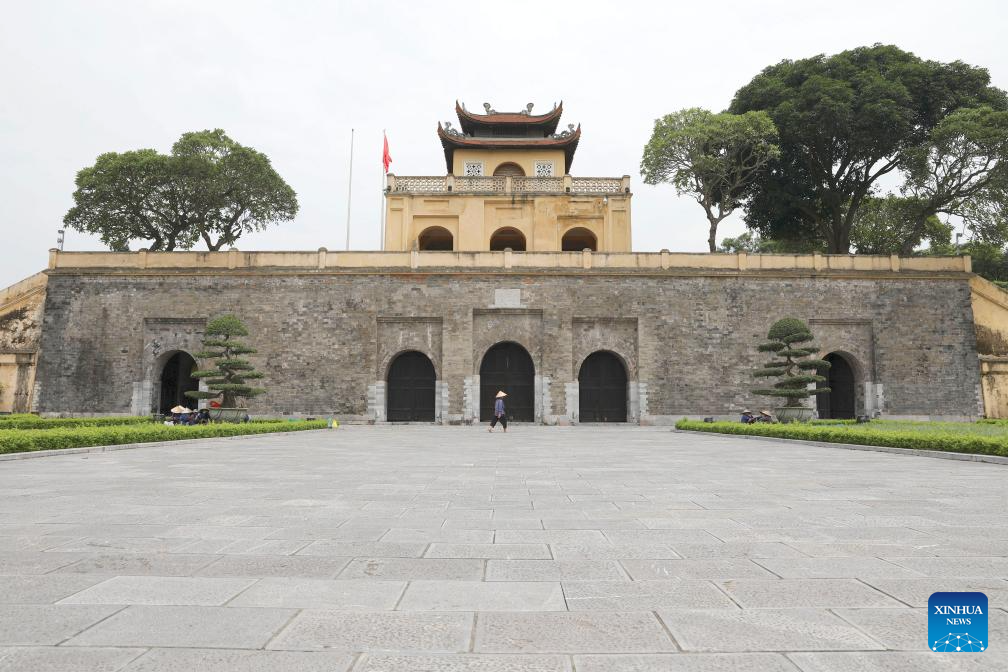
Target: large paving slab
column 423, row 548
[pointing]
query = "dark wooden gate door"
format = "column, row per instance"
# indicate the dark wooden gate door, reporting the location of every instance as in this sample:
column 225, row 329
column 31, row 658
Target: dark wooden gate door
column 839, row 402
column 508, row 367
column 176, row 380
column 410, row 388
column 602, row 382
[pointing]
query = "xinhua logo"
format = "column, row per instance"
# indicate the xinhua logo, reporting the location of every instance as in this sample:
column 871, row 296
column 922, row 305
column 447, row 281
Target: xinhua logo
column 957, row 622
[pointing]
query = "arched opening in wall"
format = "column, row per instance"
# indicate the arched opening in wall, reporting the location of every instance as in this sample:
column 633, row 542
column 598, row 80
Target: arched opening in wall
column 507, row 237
column 508, row 366
column 176, row 380
column 436, row 238
column 509, row 168
column 577, row 239
column 602, row 389
column 410, row 388
column 839, row 402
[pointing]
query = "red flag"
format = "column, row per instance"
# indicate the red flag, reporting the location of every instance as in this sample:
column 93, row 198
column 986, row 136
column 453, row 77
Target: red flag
column 386, row 157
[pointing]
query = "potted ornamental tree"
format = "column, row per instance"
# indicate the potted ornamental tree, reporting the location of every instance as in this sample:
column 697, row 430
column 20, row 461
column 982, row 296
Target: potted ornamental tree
column 229, row 381
column 789, row 342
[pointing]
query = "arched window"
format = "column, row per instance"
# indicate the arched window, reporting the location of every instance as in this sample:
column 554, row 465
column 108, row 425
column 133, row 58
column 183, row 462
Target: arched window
column 436, row 238
column 578, row 239
column 507, row 237
column 509, row 168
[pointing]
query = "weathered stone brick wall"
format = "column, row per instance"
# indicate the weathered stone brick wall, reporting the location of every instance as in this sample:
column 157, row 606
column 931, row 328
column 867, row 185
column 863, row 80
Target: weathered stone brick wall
column 325, row 340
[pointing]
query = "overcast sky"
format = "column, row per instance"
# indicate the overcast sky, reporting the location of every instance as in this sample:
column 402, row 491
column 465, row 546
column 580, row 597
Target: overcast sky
column 291, row 79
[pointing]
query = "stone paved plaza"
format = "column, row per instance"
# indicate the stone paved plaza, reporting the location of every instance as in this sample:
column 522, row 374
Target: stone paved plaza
column 446, row 548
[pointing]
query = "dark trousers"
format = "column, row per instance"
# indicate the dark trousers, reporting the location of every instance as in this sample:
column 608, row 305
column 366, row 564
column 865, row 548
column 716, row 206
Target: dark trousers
column 502, row 419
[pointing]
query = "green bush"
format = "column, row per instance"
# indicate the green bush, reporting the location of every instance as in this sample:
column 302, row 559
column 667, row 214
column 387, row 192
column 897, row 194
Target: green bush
column 17, row 440
column 938, row 437
column 27, row 421
column 993, row 421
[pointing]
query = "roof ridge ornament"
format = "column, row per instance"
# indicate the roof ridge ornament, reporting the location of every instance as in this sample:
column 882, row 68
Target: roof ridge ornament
column 564, row 134
column 451, row 131
column 489, row 110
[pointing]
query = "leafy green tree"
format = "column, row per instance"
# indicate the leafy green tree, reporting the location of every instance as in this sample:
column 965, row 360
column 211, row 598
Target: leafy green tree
column 845, row 122
column 892, row 225
column 789, row 341
column 209, row 188
column 711, row 157
column 959, row 170
column 753, row 243
column 229, row 379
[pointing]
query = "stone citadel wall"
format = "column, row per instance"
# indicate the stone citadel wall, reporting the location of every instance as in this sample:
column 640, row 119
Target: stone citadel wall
column 326, row 335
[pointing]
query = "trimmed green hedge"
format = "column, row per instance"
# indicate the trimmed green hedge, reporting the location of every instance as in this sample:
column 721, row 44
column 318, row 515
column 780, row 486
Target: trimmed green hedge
column 863, row 435
column 19, row 441
column 993, row 421
column 27, row 421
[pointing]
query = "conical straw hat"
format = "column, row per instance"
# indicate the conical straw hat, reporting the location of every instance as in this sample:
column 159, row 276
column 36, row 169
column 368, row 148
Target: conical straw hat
column 500, row 394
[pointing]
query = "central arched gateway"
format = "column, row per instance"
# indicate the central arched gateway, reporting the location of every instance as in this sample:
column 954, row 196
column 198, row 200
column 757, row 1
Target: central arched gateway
column 602, row 385
column 839, row 401
column 508, row 366
column 176, row 380
column 410, row 388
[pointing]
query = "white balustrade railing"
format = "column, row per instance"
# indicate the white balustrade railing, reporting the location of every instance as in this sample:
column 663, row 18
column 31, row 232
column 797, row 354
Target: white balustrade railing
column 436, row 184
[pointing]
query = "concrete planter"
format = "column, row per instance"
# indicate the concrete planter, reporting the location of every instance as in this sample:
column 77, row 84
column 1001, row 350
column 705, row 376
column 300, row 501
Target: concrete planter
column 794, row 413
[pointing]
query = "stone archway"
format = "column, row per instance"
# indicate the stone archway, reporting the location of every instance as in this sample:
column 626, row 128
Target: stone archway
column 410, row 389
column 841, row 401
column 602, row 388
column 435, row 238
column 175, row 380
column 578, row 239
column 507, row 237
column 508, row 366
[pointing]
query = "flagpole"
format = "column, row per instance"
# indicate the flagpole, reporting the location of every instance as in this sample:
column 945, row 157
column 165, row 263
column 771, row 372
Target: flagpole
column 349, row 190
column 381, row 199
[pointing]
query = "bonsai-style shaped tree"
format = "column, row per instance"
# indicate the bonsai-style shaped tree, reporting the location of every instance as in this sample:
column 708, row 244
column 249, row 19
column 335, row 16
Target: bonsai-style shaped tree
column 229, row 378
column 790, row 342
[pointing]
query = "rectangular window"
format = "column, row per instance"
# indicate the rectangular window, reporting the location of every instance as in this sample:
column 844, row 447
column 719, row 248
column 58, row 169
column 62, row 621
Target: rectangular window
column 544, row 168
column 473, row 169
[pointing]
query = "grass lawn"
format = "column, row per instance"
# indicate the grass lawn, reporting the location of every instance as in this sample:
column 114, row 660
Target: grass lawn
column 60, row 435
column 960, row 437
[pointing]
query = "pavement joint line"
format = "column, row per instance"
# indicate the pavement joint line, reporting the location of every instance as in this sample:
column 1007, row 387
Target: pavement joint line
column 718, row 584
column 876, row 588
column 406, row 585
column 784, row 655
column 472, row 633
column 91, row 625
column 269, row 640
column 864, row 632
column 231, row 599
column 668, row 631
column 910, row 452
column 754, row 561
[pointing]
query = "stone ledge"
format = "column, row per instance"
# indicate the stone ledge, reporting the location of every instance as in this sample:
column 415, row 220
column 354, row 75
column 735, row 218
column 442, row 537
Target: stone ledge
column 7, row 457
column 913, row 452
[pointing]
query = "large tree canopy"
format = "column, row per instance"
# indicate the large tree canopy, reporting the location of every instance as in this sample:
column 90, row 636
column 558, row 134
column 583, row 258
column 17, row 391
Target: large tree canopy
column 845, row 121
column 711, row 157
column 209, row 188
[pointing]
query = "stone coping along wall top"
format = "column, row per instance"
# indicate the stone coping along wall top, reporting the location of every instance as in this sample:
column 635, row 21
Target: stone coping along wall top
column 325, row 260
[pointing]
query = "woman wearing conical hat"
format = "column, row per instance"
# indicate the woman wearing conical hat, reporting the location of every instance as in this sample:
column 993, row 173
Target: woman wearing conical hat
column 499, row 414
